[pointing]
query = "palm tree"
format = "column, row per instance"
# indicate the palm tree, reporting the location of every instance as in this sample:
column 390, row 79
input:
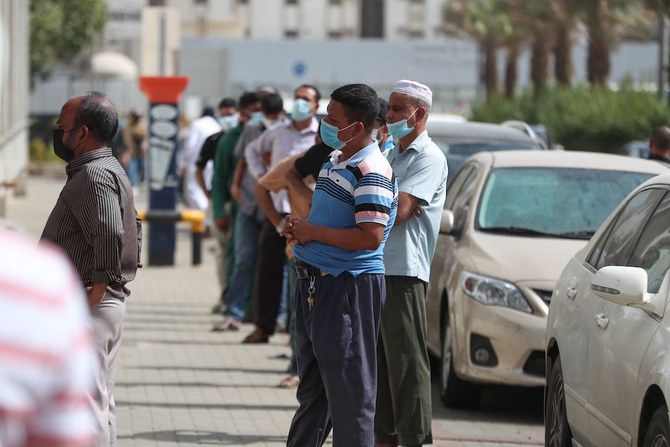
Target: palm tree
column 566, row 18
column 485, row 22
column 600, row 17
column 538, row 15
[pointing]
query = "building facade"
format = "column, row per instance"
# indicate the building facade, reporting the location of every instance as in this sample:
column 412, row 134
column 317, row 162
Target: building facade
column 14, row 91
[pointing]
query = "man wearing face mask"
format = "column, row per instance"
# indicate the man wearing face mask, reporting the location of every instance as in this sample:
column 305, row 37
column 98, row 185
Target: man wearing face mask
column 659, row 144
column 95, row 223
column 273, row 146
column 228, row 120
column 403, row 395
column 221, row 179
column 380, row 132
column 340, row 291
column 249, row 218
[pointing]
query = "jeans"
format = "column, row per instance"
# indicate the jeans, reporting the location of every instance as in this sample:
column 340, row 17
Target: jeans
column 246, row 231
column 136, row 171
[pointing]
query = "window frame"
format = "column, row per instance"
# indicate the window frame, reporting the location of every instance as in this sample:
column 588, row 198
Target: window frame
column 596, row 251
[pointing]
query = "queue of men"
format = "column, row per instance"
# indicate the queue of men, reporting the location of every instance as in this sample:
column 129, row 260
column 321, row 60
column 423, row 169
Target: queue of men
column 345, row 211
column 339, row 219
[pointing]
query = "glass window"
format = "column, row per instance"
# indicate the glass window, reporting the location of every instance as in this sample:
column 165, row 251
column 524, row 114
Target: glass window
column 652, row 252
column 454, row 189
column 552, row 202
column 624, row 233
column 461, row 207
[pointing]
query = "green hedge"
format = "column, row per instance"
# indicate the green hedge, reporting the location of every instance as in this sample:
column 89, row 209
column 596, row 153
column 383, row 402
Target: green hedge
column 583, row 118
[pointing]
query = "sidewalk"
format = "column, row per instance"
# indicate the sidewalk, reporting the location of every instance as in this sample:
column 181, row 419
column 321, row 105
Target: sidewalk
column 178, row 384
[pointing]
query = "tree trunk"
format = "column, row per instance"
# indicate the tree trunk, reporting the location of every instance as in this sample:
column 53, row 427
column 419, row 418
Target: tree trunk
column 490, row 69
column 511, row 73
column 563, row 56
column 598, row 60
column 539, row 66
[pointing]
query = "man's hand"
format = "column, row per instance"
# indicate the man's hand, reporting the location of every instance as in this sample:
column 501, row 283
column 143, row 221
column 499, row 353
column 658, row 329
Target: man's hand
column 236, row 192
column 298, row 230
column 95, row 293
column 223, row 223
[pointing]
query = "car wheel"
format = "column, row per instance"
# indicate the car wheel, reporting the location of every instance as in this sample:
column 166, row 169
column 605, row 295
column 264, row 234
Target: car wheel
column 658, row 433
column 454, row 391
column 556, row 429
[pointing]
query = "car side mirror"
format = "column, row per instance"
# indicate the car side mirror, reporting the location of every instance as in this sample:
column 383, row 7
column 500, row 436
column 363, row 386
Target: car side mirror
column 447, row 222
column 621, row 285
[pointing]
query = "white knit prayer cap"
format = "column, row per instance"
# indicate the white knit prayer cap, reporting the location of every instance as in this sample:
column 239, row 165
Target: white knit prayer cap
column 414, row 89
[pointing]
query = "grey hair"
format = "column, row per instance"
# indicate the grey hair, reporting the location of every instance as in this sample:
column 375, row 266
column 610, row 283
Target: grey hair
column 98, row 114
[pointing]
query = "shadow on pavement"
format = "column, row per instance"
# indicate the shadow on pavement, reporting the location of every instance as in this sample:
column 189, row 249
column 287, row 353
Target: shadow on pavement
column 208, row 406
column 204, row 437
column 505, row 404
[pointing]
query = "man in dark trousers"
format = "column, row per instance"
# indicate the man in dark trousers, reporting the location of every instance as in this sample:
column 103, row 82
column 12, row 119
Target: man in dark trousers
column 95, row 223
column 340, row 267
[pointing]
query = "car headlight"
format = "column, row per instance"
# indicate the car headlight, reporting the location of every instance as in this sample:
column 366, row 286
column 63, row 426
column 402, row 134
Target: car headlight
column 494, row 292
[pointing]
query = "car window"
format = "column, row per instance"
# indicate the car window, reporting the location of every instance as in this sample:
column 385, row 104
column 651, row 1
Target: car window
column 552, row 202
column 623, row 235
column 455, row 187
column 462, row 199
column 652, row 252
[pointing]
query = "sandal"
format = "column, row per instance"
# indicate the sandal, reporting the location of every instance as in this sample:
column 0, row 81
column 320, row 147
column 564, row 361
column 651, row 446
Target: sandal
column 289, row 382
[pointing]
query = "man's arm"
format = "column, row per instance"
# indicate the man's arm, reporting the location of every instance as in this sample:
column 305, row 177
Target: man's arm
column 253, row 154
column 266, row 204
column 200, row 178
column 364, row 236
column 297, row 185
column 98, row 212
column 408, row 206
column 219, row 213
column 236, row 186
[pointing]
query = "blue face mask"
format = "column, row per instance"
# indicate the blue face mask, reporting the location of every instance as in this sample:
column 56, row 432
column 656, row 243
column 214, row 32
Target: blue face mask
column 301, row 110
column 329, row 135
column 257, row 116
column 228, row 122
column 399, row 129
column 374, row 133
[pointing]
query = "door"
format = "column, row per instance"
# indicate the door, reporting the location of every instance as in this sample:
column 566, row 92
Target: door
column 622, row 335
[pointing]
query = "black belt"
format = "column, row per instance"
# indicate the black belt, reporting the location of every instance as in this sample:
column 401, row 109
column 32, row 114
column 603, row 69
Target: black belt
column 304, row 271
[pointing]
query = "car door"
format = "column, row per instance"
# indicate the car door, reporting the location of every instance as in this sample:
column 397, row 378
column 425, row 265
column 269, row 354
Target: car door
column 579, row 306
column 622, row 334
column 443, row 248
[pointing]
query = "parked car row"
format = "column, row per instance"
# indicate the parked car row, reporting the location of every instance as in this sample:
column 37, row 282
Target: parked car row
column 500, row 311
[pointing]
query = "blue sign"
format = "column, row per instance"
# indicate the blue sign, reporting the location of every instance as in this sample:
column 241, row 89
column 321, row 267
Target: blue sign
column 299, row 68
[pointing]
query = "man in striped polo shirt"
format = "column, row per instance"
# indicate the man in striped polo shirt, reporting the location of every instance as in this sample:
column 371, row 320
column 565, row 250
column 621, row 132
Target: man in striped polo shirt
column 341, row 291
column 95, row 223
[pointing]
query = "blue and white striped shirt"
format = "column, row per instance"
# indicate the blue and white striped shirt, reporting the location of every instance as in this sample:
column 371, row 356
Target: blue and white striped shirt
column 358, row 190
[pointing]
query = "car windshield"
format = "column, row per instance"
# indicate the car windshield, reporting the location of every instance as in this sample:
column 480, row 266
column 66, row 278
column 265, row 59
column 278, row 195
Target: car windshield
column 458, row 152
column 552, row 202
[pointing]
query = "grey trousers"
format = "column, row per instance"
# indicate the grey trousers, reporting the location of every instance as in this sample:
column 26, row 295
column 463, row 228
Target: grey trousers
column 107, row 326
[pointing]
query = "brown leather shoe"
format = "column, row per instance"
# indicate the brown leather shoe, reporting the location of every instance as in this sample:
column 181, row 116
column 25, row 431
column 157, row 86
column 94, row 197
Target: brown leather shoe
column 257, row 336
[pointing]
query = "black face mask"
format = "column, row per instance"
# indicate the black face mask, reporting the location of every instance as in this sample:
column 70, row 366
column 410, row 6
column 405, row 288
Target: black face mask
column 60, row 149
column 659, row 157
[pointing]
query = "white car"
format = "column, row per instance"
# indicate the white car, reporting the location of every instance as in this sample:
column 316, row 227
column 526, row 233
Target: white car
column 608, row 331
column 512, row 220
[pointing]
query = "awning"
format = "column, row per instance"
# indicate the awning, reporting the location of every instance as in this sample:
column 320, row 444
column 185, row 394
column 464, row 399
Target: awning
column 112, row 63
